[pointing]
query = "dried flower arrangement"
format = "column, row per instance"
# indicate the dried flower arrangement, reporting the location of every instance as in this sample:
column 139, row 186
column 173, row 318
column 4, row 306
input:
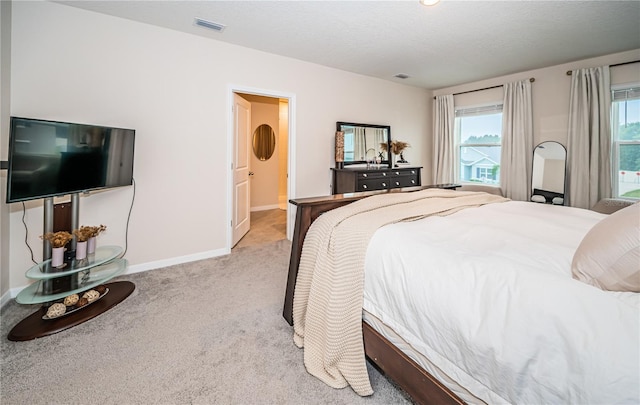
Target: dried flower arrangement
column 396, row 146
column 85, row 232
column 57, row 239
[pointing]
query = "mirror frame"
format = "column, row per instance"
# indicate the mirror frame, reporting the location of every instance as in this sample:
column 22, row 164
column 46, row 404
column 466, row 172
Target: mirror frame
column 547, row 194
column 386, row 162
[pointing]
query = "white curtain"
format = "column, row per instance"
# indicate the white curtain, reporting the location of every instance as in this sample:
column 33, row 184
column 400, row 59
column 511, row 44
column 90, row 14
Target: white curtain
column 444, row 145
column 359, row 144
column 517, row 141
column 589, row 139
column 379, row 137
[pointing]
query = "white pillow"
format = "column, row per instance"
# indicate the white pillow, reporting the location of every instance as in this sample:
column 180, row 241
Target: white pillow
column 609, row 255
column 538, row 198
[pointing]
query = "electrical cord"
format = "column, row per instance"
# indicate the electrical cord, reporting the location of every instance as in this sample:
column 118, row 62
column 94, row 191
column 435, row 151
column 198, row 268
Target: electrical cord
column 126, row 232
column 26, row 232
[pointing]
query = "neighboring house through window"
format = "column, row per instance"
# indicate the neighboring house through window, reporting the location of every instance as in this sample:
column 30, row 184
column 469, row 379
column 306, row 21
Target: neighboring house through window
column 478, row 140
column 625, row 123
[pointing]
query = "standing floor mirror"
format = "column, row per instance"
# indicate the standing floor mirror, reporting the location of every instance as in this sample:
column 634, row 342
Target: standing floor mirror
column 548, row 176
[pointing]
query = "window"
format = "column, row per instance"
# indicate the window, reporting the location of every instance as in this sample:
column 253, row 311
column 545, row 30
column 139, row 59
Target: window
column 625, row 123
column 479, row 139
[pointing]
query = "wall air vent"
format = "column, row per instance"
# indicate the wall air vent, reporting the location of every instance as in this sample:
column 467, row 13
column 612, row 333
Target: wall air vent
column 210, row 24
column 402, row 76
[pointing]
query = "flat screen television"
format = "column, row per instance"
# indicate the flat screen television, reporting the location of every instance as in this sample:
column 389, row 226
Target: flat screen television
column 50, row 158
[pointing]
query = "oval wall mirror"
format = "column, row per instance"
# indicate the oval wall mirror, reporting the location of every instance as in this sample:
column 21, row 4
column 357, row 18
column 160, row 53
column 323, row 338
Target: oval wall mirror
column 264, row 142
column 548, row 180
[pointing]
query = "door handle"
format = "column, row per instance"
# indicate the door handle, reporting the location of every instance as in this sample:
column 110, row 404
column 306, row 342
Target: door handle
column 251, row 173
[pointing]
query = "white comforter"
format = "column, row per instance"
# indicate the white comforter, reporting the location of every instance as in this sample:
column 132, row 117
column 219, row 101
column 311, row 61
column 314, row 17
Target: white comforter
column 487, row 295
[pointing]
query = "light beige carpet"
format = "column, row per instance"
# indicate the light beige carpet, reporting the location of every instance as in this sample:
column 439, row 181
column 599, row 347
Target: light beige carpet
column 266, row 226
column 208, row 332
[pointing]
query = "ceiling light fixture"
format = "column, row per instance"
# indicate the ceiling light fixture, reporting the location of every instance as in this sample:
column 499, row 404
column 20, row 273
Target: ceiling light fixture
column 210, row 24
column 402, row 76
column 429, row 2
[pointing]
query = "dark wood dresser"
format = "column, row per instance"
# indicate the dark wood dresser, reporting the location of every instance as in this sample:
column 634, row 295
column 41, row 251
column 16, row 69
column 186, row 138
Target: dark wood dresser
column 362, row 179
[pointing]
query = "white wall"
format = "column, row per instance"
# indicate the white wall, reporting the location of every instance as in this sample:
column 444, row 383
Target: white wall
column 74, row 65
column 550, row 92
column 5, row 79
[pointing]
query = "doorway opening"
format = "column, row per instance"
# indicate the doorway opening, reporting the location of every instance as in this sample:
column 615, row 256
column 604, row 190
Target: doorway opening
column 269, row 182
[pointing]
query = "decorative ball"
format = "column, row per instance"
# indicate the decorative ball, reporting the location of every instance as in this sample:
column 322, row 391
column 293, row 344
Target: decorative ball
column 101, row 289
column 82, row 302
column 91, row 295
column 56, row 310
column 71, row 300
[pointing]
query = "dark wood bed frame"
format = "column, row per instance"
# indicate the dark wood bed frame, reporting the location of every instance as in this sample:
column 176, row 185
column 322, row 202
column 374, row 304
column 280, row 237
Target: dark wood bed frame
column 421, row 386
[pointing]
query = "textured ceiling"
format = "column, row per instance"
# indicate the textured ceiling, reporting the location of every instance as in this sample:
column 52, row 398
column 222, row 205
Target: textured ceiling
column 451, row 43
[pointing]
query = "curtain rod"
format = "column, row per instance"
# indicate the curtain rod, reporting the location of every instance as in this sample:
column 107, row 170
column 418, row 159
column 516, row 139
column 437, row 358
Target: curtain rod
column 486, row 88
column 615, row 64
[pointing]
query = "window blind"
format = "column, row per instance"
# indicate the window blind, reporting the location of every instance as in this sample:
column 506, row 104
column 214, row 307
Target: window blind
column 480, row 110
column 625, row 94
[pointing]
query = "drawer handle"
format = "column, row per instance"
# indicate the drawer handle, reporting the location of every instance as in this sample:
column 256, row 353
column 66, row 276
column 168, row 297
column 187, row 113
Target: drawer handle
column 413, row 172
column 397, row 183
column 384, row 174
column 364, row 186
column 384, row 184
column 364, row 175
column 398, row 173
column 413, row 182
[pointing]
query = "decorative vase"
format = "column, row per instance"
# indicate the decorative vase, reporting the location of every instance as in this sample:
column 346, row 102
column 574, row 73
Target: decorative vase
column 91, row 245
column 57, row 256
column 339, row 150
column 81, row 250
column 394, row 157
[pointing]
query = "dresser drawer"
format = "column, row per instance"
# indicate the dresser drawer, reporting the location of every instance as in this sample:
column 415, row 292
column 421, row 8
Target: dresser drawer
column 373, row 175
column 372, row 184
column 403, row 172
column 404, row 181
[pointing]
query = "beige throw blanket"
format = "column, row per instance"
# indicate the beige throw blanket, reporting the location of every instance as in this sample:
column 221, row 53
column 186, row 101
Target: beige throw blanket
column 327, row 305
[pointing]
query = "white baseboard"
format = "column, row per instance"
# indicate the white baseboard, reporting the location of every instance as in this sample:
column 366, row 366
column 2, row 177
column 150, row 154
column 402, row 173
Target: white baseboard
column 138, row 268
column 6, row 297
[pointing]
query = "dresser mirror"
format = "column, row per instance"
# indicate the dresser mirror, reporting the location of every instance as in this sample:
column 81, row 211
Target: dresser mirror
column 548, row 176
column 362, row 143
column 264, row 142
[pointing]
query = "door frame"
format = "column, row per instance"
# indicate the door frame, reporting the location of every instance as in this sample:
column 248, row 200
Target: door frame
column 291, row 158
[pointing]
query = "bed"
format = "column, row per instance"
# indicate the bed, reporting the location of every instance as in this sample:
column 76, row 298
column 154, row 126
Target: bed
column 496, row 316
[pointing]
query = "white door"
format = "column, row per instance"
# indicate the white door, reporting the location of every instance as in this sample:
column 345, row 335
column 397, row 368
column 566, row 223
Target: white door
column 241, row 220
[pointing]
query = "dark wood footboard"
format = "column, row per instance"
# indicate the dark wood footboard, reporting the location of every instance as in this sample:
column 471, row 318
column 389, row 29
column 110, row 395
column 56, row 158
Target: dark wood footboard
column 421, row 386
column 418, row 383
column 308, row 209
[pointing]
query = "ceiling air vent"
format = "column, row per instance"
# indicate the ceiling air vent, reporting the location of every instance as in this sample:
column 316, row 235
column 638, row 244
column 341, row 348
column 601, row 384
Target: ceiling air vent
column 210, row 24
column 402, row 76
